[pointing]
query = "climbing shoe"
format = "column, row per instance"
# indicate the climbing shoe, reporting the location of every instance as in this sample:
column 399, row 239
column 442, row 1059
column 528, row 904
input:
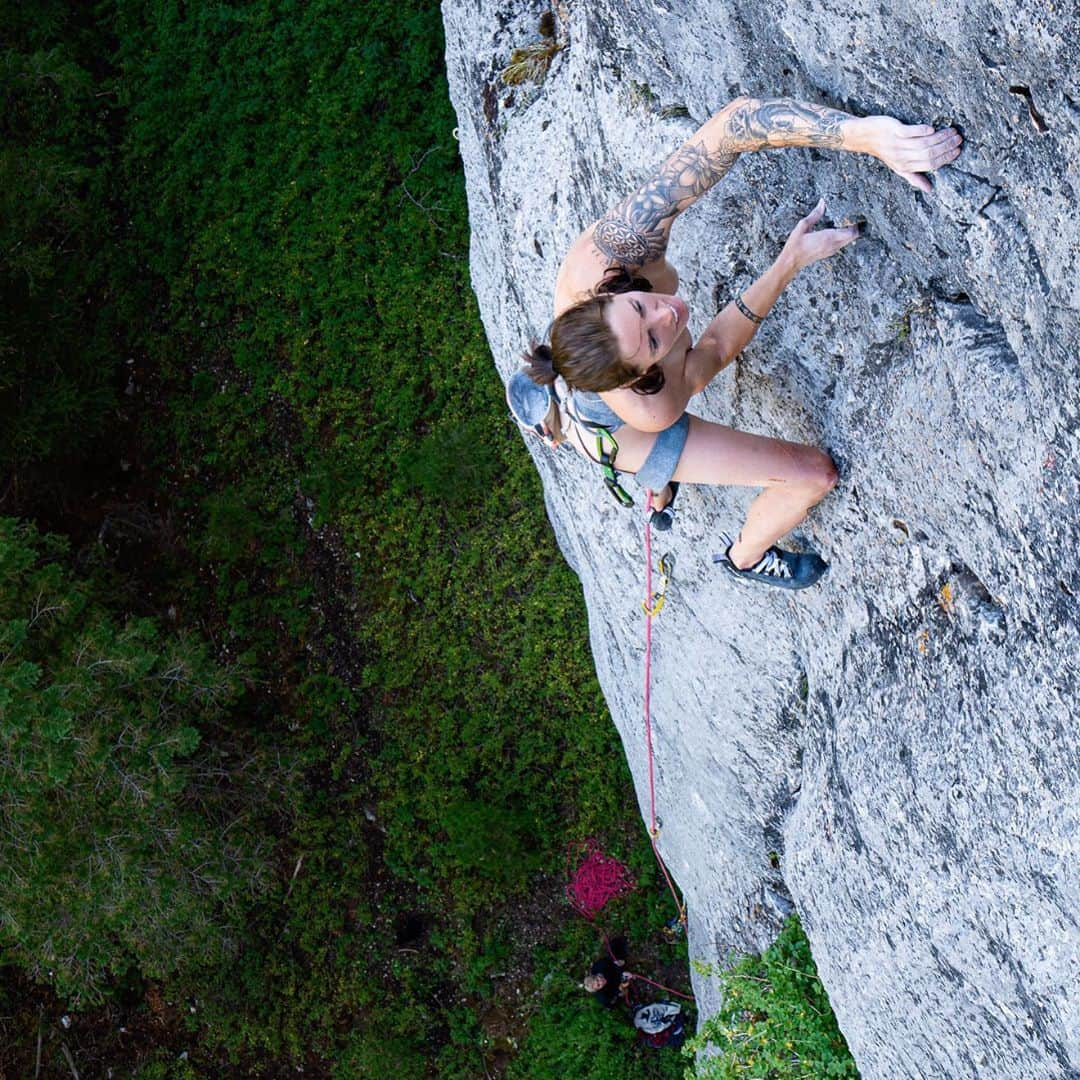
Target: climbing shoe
column 784, row 569
column 662, row 520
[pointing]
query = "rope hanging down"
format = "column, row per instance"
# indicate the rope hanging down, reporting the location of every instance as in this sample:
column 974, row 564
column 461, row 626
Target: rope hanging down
column 652, row 606
column 660, row 986
column 600, row 878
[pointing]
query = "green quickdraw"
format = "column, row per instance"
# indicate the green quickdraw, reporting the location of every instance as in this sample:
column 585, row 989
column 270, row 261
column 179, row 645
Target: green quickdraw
column 607, row 467
column 603, row 458
column 655, row 603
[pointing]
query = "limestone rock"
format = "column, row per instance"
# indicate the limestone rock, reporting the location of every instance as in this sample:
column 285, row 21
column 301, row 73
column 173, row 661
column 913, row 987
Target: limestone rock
column 902, row 736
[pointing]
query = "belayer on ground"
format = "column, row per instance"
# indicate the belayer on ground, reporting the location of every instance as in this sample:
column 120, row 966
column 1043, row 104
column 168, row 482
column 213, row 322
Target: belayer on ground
column 658, row 1023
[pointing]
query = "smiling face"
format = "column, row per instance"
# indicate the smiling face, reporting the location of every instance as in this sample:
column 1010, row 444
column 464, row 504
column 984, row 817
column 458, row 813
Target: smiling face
column 646, row 325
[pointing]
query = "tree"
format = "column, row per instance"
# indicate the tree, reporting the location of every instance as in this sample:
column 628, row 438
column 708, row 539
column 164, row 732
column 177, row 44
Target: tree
column 111, row 858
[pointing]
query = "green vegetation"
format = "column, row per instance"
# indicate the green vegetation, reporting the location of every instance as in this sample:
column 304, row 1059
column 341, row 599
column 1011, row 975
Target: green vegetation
column 305, row 743
column 530, row 63
column 99, row 725
column 775, row 1022
column 297, row 713
column 57, row 261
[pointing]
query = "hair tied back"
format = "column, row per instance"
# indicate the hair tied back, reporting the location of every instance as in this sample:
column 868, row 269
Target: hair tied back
column 540, row 366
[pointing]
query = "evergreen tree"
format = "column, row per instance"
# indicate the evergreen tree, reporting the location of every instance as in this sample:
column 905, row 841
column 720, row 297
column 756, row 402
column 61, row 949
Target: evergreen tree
column 116, row 851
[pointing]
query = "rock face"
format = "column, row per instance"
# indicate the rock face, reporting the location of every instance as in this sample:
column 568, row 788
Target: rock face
column 900, row 741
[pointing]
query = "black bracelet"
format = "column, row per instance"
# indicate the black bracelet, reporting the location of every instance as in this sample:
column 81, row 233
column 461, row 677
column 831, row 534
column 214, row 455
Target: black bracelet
column 747, row 312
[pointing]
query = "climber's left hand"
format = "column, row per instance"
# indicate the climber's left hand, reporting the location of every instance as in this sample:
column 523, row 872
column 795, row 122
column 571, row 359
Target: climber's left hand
column 910, row 150
column 807, row 244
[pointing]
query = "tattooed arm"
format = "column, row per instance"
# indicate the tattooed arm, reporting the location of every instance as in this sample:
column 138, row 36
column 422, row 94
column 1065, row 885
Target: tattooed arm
column 908, row 149
column 634, row 234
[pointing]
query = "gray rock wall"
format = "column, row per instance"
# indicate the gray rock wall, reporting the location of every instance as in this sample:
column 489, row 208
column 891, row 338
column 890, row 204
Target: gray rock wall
column 903, row 736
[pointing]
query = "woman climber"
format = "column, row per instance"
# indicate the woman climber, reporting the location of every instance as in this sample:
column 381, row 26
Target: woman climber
column 620, row 341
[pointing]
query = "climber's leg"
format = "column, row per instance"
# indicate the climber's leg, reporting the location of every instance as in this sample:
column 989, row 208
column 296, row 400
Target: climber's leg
column 794, row 476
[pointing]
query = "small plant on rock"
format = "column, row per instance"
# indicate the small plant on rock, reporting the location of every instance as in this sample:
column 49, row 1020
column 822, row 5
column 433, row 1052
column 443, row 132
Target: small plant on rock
column 776, row 1022
column 531, row 63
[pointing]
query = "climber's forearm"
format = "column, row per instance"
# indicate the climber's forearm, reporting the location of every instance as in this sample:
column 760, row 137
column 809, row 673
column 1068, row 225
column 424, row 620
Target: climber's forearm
column 910, row 150
column 730, row 332
column 766, row 124
column 635, row 232
column 734, row 327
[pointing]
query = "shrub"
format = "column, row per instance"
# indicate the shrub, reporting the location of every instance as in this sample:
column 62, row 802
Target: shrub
column 775, row 1022
column 58, row 252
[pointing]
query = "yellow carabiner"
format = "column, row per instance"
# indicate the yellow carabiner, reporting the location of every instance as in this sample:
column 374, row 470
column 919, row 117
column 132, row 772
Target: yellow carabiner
column 655, row 604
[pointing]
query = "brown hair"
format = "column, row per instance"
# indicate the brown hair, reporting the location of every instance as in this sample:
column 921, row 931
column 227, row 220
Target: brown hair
column 583, row 349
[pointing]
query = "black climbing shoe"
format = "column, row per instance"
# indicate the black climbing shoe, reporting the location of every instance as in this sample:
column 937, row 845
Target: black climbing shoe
column 662, row 520
column 784, row 569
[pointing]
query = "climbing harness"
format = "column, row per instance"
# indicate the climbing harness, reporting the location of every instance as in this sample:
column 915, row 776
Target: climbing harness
column 529, row 404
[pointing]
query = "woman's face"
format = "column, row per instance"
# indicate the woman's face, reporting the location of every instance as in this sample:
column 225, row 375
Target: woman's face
column 646, row 325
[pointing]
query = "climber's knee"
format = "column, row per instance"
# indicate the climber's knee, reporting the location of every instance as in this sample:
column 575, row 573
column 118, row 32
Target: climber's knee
column 815, row 475
column 826, row 475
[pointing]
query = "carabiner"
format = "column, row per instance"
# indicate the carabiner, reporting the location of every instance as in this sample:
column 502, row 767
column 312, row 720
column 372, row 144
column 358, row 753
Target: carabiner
column 655, row 604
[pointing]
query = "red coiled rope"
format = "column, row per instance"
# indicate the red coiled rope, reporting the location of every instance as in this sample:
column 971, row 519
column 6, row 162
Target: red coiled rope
column 598, row 879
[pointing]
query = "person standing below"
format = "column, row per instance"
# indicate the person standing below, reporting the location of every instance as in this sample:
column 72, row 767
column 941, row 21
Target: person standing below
column 606, row 980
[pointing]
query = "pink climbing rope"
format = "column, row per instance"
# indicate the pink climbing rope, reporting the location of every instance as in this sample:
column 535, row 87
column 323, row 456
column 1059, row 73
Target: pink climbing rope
column 598, row 879
column 650, row 610
column 648, row 662
column 660, row 986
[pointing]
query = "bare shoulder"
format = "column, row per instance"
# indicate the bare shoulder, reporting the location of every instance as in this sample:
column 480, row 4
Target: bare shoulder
column 584, row 268
column 581, row 271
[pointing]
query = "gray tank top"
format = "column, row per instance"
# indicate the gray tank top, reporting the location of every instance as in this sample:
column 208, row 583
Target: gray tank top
column 591, row 406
